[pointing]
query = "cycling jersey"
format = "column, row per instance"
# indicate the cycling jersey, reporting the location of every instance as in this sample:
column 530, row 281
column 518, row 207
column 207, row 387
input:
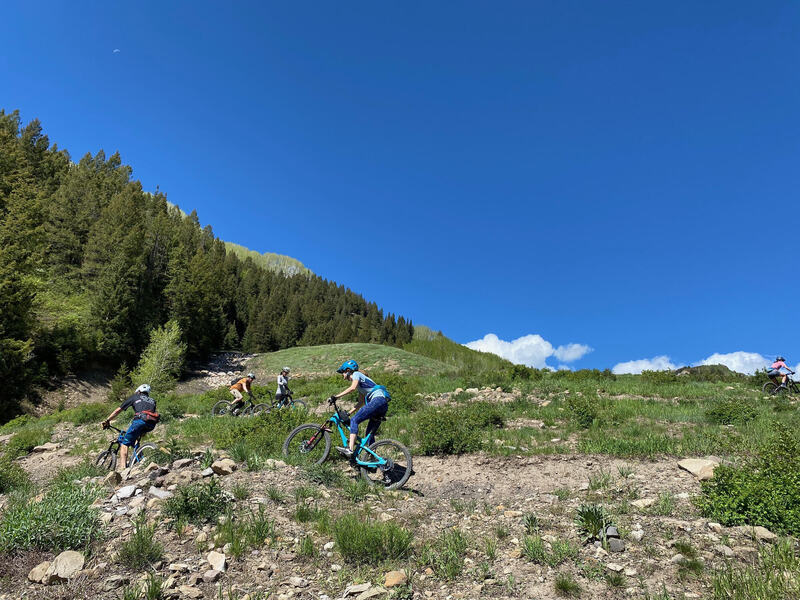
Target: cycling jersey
column 776, row 366
column 367, row 387
column 139, row 402
column 239, row 385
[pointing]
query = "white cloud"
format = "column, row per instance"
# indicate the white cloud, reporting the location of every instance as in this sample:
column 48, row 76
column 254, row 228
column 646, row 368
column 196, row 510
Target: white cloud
column 531, row 350
column 657, row 363
column 115, row 51
column 743, row 362
column 571, row 352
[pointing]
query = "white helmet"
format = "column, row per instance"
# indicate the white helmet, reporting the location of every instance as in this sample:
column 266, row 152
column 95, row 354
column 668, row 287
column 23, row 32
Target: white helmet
column 286, row 369
column 143, row 389
column 251, row 375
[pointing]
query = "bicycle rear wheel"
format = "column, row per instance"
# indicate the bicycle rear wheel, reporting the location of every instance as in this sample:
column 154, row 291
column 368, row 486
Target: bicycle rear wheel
column 145, row 454
column 221, row 408
column 259, row 409
column 106, row 460
column 308, row 444
column 397, row 469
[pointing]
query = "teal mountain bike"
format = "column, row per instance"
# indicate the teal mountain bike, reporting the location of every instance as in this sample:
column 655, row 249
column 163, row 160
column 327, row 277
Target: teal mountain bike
column 386, row 462
column 139, row 453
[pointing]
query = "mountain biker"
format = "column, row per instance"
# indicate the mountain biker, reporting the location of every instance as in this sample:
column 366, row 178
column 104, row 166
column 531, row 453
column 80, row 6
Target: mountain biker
column 373, row 402
column 775, row 371
column 243, row 385
column 283, row 390
column 144, row 420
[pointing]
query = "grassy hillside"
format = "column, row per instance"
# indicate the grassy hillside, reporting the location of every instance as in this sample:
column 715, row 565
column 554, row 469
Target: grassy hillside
column 269, row 260
column 435, row 345
column 315, row 361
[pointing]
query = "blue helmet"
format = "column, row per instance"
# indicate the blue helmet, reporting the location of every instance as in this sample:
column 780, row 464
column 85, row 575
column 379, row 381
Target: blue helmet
column 348, row 364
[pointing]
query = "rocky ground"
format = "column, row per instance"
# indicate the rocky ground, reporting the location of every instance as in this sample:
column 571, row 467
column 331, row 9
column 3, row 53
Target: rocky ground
column 487, row 498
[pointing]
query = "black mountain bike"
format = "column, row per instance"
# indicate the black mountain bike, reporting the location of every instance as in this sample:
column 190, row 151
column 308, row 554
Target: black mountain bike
column 139, row 453
column 773, row 389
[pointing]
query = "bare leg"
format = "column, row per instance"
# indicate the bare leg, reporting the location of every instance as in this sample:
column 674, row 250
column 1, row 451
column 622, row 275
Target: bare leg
column 123, row 457
column 352, row 444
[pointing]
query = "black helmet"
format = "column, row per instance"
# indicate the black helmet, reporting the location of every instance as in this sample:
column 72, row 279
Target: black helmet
column 780, row 359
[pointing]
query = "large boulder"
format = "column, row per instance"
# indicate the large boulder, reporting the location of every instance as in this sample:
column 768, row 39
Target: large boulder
column 64, row 567
column 702, row 468
column 223, row 466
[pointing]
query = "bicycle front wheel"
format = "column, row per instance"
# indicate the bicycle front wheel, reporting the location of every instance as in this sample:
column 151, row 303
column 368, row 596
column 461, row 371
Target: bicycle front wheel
column 145, row 454
column 223, row 407
column 308, row 444
column 394, row 468
column 106, row 460
column 299, row 405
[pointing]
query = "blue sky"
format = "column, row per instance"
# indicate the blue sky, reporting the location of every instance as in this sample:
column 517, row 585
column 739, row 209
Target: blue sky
column 617, row 175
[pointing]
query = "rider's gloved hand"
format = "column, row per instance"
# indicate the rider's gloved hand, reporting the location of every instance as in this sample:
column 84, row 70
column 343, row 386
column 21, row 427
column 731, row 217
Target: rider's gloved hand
column 332, row 399
column 104, row 424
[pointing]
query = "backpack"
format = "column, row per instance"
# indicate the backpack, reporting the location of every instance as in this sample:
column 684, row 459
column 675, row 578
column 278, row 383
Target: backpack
column 235, row 380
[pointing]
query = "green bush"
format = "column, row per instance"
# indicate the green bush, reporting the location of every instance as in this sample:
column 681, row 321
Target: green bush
column 446, row 431
column 369, row 542
column 764, row 491
column 728, row 411
column 445, row 555
column 162, row 360
column 120, row 385
column 583, row 409
column 141, row 550
column 12, row 476
column 659, row 377
column 62, row 520
column 89, row 413
column 197, row 502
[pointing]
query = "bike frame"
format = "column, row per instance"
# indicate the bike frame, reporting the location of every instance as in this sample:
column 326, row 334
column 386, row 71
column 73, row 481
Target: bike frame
column 361, row 445
column 118, row 442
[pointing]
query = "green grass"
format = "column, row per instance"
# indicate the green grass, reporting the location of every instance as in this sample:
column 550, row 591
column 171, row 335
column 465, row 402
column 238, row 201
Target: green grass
column 62, row 520
column 197, row 502
column 367, row 542
column 534, row 548
column 252, row 530
column 567, row 586
column 776, row 576
column 142, row 549
column 322, row 361
column 445, row 555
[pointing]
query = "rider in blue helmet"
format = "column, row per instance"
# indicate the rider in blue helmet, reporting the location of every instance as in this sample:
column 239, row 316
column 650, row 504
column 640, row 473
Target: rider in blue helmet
column 373, row 402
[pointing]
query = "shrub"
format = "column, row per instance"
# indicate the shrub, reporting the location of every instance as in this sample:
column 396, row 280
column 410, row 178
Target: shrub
column 583, row 409
column 89, row 413
column 659, row 377
column 445, row 555
column 731, row 410
column 12, row 476
column 119, row 385
column 368, row 542
column 446, row 431
column 162, row 360
column 62, row 520
column 197, row 502
column 764, row 491
column 142, row 549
